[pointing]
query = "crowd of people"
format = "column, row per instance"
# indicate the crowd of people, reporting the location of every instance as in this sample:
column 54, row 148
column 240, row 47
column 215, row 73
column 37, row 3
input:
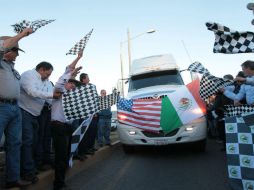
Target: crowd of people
column 240, row 93
column 32, row 117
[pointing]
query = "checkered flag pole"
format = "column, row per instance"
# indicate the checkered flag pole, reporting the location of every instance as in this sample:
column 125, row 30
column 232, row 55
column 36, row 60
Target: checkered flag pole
column 197, row 67
column 80, row 102
column 20, row 26
column 77, row 136
column 240, row 151
column 231, row 110
column 109, row 100
column 230, row 41
column 80, row 46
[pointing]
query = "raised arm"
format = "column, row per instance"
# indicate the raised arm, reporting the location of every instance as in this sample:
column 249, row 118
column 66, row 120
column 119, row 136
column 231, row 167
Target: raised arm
column 236, row 97
column 74, row 63
column 69, row 73
column 12, row 41
column 248, row 80
column 75, row 72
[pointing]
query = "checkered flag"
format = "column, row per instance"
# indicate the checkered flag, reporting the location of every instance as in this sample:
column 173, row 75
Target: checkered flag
column 77, row 136
column 230, row 41
column 197, row 67
column 20, row 26
column 39, row 23
column 240, row 151
column 80, row 102
column 231, row 110
column 80, row 46
column 210, row 85
column 109, row 100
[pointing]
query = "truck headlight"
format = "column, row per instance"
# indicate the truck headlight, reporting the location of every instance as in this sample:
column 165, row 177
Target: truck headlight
column 132, row 132
column 189, row 128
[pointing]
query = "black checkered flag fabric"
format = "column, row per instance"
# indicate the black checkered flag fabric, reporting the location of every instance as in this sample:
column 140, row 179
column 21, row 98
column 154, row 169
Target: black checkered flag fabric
column 20, row 26
column 240, row 151
column 197, row 67
column 210, row 85
column 77, row 136
column 231, row 110
column 230, row 41
column 109, row 100
column 80, row 46
column 81, row 102
column 39, row 23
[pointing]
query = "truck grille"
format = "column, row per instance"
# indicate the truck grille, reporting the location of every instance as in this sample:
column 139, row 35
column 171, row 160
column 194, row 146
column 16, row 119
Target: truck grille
column 150, row 97
column 160, row 134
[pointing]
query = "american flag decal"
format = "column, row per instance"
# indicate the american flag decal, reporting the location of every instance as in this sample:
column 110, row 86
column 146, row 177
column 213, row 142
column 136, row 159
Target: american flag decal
column 140, row 113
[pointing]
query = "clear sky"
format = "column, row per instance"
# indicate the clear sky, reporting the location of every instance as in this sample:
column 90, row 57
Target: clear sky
column 175, row 22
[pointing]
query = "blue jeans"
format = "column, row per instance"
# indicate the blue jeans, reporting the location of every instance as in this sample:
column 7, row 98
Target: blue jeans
column 30, row 128
column 11, row 125
column 104, row 126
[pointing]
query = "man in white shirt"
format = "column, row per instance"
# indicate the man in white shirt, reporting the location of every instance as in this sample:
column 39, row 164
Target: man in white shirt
column 33, row 93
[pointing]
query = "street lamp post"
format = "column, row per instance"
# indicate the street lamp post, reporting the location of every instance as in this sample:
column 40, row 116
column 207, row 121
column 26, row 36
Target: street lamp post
column 129, row 42
column 129, row 38
column 121, row 61
column 129, row 48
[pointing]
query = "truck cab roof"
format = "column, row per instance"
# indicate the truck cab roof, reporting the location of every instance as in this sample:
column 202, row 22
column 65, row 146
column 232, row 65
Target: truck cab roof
column 153, row 64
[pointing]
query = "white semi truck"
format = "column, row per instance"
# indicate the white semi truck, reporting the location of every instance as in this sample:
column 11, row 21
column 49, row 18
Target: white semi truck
column 154, row 77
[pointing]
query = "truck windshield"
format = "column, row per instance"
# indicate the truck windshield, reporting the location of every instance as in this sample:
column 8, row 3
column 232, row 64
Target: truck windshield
column 171, row 77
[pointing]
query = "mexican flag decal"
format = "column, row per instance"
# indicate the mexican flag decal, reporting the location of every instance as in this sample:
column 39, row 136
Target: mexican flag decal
column 181, row 107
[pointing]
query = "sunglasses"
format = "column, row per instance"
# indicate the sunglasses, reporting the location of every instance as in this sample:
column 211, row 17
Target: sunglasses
column 15, row 49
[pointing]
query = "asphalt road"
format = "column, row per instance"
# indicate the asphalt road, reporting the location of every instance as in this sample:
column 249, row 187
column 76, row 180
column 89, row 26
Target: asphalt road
column 166, row 168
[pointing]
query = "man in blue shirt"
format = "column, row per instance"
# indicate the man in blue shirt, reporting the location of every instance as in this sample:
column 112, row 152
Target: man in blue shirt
column 247, row 89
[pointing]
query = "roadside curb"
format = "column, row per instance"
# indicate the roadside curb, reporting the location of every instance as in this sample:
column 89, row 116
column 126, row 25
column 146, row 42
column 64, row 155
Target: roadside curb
column 46, row 178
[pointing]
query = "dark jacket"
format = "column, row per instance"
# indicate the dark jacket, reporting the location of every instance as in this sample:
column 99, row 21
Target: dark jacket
column 219, row 103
